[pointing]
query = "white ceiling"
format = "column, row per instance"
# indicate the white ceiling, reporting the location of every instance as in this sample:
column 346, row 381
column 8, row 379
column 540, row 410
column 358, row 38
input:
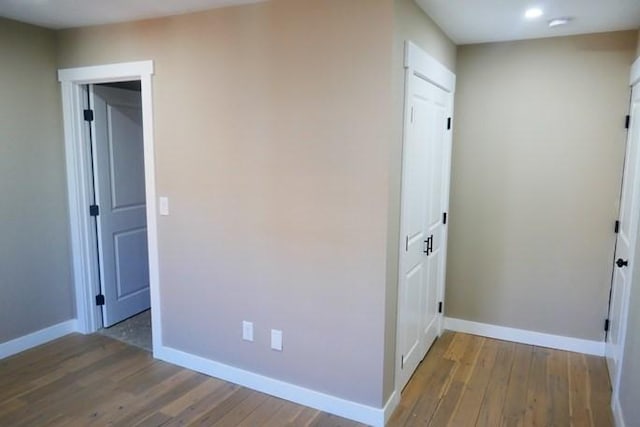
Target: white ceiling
column 59, row 14
column 478, row 21
column 464, row 21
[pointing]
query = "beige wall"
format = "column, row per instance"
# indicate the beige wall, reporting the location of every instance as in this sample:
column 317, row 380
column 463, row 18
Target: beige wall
column 410, row 23
column 638, row 48
column 34, row 254
column 537, row 160
column 272, row 126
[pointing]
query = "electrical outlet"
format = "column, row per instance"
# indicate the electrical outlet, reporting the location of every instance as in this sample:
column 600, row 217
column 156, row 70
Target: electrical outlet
column 276, row 339
column 247, row 331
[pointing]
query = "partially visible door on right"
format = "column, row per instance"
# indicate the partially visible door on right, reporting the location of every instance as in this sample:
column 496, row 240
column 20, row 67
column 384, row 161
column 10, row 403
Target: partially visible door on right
column 625, row 245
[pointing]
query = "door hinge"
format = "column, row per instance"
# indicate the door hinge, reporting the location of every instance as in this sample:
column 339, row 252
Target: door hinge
column 406, row 244
column 627, row 121
column 449, row 123
column 94, row 210
column 616, row 228
column 100, row 299
column 440, row 307
column 88, row 115
column 606, row 325
column 444, row 217
column 402, row 362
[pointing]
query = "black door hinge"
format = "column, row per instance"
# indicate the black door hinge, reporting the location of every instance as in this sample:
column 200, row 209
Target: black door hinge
column 100, row 299
column 444, row 217
column 94, row 210
column 616, row 228
column 449, row 123
column 402, row 362
column 627, row 122
column 88, row 115
column 440, row 307
column 606, row 325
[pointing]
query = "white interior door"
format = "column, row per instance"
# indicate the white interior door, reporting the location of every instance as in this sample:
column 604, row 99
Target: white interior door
column 120, row 194
column 625, row 245
column 424, row 199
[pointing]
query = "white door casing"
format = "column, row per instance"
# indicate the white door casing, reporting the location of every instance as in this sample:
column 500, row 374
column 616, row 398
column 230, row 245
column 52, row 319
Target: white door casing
column 82, row 229
column 118, row 164
column 429, row 89
column 623, row 268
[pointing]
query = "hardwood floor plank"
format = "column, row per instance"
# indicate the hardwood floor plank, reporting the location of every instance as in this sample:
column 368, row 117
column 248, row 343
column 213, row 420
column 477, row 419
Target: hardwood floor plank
column 201, row 407
column 537, row 411
column 283, row 416
column 558, row 388
column 265, row 411
column 192, row 397
column 473, row 394
column 219, row 411
column 156, row 397
column 490, row 413
column 579, row 391
column 516, row 404
column 600, row 388
column 454, row 390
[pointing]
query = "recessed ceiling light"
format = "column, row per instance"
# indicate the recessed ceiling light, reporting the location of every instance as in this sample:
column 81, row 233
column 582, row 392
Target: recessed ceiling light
column 533, row 13
column 559, row 21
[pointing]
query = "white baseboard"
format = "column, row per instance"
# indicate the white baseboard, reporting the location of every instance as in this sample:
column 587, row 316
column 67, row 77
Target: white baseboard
column 303, row 396
column 616, row 409
column 523, row 336
column 37, row 338
column 391, row 405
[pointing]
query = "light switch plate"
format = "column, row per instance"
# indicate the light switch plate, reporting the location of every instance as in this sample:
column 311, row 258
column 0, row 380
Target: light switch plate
column 164, row 206
column 247, row 331
column 276, row 339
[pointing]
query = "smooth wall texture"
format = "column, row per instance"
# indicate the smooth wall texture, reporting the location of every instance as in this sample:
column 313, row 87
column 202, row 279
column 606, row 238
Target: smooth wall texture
column 537, row 161
column 35, row 278
column 272, row 130
column 409, row 23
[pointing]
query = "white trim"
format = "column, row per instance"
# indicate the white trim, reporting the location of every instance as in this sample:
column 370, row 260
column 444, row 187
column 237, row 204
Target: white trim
column 635, row 73
column 428, row 67
column 303, row 396
column 37, row 338
column 616, row 409
column 85, row 270
column 391, row 405
column 524, row 336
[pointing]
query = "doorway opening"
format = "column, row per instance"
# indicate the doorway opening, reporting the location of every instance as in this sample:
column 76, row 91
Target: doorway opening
column 108, row 126
column 115, row 131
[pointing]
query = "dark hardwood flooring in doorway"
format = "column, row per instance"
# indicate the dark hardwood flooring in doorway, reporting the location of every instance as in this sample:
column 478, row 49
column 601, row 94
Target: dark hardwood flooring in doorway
column 464, row 381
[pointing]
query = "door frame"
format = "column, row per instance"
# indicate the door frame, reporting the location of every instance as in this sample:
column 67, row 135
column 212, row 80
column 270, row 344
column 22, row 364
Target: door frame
column 624, row 309
column 80, row 192
column 419, row 63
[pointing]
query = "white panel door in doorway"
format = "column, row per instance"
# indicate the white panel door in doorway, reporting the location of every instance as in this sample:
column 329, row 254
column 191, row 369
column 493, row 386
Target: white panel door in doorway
column 625, row 244
column 118, row 161
column 425, row 182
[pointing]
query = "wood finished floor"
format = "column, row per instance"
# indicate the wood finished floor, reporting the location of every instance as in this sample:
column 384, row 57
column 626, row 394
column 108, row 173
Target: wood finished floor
column 464, row 381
